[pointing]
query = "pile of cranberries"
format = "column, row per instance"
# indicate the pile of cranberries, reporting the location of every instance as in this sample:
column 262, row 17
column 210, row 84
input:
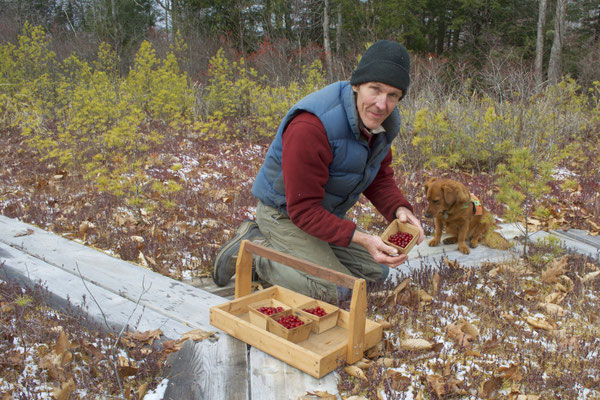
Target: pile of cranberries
column 290, row 321
column 270, row 310
column 401, row 239
column 318, row 311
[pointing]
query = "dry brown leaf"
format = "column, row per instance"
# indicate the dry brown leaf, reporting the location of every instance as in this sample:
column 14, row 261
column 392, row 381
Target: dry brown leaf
column 197, row 334
column 441, row 386
column 363, row 364
column 393, row 297
column 462, row 332
column 384, row 324
column 65, row 390
column 147, row 337
column 554, row 270
column 590, row 276
column 318, row 395
column 26, row 233
column 435, row 284
column 513, row 372
column 398, row 382
column 387, row 361
column 356, row 372
column 555, row 297
column 540, row 324
column 489, row 387
column 424, row 296
column 415, row 344
column 552, row 309
column 126, row 367
column 142, row 390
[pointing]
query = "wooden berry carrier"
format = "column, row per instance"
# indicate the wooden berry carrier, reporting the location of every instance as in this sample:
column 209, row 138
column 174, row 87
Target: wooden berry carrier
column 322, row 352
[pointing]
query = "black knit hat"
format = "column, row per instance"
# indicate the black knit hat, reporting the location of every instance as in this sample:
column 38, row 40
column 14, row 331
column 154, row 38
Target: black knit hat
column 386, row 62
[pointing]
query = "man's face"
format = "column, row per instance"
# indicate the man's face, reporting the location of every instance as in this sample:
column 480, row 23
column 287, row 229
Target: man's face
column 375, row 101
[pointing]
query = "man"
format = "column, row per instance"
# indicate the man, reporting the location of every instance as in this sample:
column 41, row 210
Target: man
column 331, row 146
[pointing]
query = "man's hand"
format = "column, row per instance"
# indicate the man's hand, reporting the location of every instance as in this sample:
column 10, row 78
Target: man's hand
column 381, row 252
column 405, row 215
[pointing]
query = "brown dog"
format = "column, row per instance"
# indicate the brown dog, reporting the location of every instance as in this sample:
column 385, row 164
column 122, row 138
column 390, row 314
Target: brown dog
column 452, row 206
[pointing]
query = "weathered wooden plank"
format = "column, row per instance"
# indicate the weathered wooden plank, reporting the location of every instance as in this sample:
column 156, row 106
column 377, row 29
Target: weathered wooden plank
column 271, row 379
column 580, row 236
column 206, row 370
column 172, row 298
column 100, row 304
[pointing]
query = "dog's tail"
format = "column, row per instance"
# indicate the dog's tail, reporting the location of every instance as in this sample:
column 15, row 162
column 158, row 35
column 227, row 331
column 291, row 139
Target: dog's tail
column 495, row 240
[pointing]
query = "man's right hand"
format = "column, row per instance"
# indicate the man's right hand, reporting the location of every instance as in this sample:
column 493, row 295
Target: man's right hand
column 381, row 252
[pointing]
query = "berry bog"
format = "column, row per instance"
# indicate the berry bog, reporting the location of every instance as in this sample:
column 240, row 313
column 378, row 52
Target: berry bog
column 319, row 353
column 321, row 323
column 400, row 227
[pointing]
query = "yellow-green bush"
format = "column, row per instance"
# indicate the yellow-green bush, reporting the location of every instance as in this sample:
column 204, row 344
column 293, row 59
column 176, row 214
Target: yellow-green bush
column 478, row 132
column 91, row 120
column 239, row 103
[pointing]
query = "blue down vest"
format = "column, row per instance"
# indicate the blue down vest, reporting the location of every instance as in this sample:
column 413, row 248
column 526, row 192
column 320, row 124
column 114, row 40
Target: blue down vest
column 354, row 164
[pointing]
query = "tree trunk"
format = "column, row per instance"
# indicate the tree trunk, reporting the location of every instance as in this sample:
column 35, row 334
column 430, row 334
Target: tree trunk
column 539, row 47
column 338, row 41
column 555, row 65
column 326, row 41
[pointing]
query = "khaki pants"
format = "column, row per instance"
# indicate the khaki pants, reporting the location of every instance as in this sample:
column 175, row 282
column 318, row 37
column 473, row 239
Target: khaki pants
column 281, row 234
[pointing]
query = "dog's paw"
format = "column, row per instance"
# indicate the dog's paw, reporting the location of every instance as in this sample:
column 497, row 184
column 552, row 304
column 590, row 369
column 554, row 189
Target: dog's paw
column 463, row 249
column 474, row 243
column 434, row 242
column 450, row 240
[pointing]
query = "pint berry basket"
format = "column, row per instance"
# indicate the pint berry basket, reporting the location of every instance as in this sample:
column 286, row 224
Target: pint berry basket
column 258, row 315
column 295, row 335
column 397, row 226
column 320, row 323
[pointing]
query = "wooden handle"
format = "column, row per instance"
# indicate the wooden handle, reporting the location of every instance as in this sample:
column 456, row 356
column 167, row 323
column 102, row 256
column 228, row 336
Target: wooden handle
column 358, row 304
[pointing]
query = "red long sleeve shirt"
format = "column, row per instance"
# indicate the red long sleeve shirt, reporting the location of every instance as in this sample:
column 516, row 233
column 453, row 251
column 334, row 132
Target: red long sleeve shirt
column 306, row 157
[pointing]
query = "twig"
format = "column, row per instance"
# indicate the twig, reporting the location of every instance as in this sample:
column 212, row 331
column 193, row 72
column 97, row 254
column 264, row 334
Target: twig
column 120, row 335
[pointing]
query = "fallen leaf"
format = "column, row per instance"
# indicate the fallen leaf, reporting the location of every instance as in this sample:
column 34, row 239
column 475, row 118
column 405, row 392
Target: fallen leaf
column 553, row 309
column 540, row 324
column 398, row 382
column 387, row 361
column 513, row 372
column 462, row 332
column 64, row 391
column 554, row 270
column 355, row 372
column 442, row 386
column 26, row 233
column 555, row 297
column 318, row 395
column 147, row 337
column 590, row 276
column 197, row 334
column 393, row 297
column 435, row 283
column 489, row 387
column 126, row 367
column 415, row 344
column 424, row 296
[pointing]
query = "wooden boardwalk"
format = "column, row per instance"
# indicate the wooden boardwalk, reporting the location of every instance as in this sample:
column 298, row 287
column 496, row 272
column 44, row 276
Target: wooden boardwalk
column 220, row 368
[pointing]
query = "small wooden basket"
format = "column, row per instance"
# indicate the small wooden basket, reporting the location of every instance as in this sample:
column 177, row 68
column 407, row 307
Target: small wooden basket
column 258, row 318
column 397, row 226
column 294, row 335
column 320, row 324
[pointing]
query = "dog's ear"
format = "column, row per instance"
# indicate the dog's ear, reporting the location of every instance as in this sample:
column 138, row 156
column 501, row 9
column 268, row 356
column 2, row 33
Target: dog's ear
column 455, row 192
column 463, row 194
column 426, row 186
